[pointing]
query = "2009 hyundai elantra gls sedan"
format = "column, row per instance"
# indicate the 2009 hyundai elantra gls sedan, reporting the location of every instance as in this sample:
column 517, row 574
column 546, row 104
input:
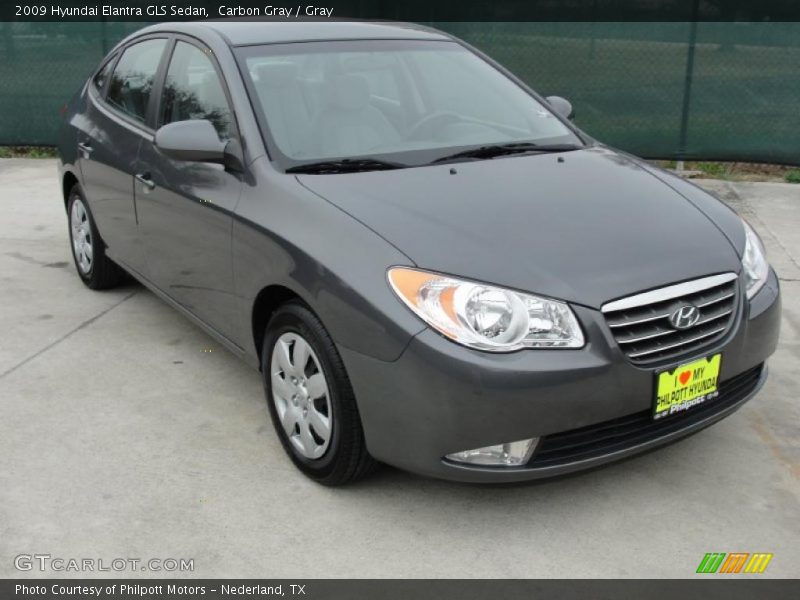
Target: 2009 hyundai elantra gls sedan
column 429, row 264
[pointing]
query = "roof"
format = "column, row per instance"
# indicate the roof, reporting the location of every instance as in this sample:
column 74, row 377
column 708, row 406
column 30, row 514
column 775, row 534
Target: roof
column 242, row 33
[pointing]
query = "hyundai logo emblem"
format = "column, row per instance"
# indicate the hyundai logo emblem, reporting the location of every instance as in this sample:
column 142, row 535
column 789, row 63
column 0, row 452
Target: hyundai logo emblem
column 685, row 317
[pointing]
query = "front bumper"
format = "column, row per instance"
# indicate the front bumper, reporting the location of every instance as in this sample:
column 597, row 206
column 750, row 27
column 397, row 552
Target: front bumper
column 438, row 397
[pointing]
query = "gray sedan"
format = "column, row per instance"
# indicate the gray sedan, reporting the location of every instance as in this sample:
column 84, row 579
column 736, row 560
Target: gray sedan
column 429, row 264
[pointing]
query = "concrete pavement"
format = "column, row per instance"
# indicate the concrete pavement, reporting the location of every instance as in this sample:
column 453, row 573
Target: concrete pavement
column 126, row 432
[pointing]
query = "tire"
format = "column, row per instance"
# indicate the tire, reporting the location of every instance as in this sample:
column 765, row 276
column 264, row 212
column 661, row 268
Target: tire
column 94, row 268
column 341, row 457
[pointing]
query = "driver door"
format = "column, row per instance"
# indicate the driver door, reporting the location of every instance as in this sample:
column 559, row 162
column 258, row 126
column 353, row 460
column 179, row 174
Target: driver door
column 185, row 208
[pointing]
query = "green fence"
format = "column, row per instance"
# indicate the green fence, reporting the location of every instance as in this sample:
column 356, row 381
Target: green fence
column 726, row 91
column 41, row 66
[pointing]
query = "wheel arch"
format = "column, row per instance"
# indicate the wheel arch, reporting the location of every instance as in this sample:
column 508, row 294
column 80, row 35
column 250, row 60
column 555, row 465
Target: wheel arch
column 67, row 182
column 267, row 301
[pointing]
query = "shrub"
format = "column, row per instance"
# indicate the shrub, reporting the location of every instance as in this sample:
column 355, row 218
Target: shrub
column 792, row 176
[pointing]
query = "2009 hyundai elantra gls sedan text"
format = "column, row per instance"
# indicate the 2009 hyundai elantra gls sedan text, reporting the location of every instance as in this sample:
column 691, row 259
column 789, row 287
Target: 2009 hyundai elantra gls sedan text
column 431, row 266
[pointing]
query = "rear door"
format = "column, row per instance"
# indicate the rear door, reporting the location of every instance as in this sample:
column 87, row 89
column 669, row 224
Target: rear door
column 186, row 208
column 109, row 139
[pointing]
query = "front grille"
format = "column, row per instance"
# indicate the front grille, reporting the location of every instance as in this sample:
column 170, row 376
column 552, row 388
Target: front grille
column 632, row 430
column 641, row 324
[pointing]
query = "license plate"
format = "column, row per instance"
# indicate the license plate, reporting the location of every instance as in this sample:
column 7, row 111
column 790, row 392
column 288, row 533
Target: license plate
column 686, row 386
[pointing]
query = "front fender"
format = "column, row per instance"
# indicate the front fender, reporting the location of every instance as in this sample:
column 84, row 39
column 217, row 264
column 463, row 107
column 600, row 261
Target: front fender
column 284, row 234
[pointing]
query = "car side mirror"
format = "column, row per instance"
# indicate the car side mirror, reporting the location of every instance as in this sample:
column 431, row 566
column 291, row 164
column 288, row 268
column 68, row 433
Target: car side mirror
column 194, row 140
column 562, row 106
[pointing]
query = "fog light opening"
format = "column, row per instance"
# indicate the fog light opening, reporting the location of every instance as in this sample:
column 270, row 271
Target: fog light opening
column 510, row 454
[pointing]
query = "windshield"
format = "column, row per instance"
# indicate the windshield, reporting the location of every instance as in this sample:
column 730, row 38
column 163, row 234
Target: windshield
column 406, row 101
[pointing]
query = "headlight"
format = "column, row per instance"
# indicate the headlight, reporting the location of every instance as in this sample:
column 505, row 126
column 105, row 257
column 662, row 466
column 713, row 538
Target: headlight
column 484, row 316
column 754, row 261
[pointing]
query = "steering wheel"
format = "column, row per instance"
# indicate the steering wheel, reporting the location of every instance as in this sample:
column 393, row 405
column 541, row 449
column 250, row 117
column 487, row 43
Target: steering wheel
column 429, row 124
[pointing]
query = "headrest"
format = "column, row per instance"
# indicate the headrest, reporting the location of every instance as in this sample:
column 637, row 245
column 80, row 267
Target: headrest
column 349, row 91
column 276, row 74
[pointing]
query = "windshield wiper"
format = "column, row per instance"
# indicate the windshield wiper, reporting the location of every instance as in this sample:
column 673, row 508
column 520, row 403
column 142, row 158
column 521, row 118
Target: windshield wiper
column 493, row 150
column 346, row 165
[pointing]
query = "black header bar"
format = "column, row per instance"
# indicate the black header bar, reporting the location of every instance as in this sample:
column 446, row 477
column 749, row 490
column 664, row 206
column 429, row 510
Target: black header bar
column 406, row 10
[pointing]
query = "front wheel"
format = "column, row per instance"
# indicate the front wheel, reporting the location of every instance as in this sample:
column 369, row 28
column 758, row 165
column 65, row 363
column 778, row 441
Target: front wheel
column 310, row 398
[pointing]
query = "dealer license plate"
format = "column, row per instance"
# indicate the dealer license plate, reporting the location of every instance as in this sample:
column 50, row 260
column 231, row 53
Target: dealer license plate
column 686, row 386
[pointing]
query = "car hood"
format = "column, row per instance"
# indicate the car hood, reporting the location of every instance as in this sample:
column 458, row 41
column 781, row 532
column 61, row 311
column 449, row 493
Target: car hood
column 586, row 226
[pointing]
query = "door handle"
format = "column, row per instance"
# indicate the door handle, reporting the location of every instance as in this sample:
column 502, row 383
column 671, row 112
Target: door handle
column 144, row 179
column 85, row 148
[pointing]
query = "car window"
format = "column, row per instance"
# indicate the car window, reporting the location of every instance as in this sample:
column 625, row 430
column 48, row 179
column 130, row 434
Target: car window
column 103, row 74
column 130, row 87
column 383, row 84
column 379, row 71
column 409, row 101
column 193, row 90
column 455, row 82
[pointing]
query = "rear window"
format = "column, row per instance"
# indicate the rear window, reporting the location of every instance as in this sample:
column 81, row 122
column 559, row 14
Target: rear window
column 132, row 82
column 101, row 79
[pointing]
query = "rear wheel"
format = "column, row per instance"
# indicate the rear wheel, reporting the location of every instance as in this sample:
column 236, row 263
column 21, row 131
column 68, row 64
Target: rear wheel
column 310, row 398
column 95, row 269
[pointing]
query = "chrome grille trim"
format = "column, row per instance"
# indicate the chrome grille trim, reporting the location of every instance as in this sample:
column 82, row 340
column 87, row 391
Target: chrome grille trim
column 668, row 293
column 715, row 300
column 713, row 317
column 642, row 327
column 677, row 344
column 633, row 340
column 638, row 321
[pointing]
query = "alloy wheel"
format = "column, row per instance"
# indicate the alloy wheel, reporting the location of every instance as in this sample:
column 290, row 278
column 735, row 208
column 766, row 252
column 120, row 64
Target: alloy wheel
column 82, row 239
column 300, row 394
